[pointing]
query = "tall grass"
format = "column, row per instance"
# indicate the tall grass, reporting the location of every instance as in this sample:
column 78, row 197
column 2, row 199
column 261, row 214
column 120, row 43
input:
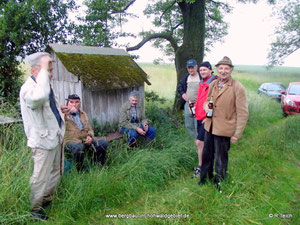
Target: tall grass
column 156, row 179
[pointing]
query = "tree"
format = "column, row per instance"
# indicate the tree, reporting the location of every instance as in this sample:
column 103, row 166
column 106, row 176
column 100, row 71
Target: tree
column 26, row 27
column 190, row 27
column 97, row 28
column 288, row 33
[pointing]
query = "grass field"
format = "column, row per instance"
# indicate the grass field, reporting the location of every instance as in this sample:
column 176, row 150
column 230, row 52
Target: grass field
column 263, row 184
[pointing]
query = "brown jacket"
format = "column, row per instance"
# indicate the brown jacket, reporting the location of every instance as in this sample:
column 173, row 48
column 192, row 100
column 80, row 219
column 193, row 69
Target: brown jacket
column 73, row 134
column 230, row 113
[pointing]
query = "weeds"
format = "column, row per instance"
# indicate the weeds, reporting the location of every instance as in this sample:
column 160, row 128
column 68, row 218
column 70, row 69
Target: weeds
column 156, row 179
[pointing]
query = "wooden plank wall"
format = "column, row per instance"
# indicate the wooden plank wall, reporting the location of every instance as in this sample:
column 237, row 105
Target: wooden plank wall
column 102, row 105
column 105, row 105
column 63, row 82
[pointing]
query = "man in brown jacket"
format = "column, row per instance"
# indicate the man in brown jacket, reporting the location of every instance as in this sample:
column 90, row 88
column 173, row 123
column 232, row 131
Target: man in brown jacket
column 230, row 115
column 79, row 137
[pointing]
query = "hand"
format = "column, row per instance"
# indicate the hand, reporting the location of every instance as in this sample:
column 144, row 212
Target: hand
column 88, row 140
column 206, row 108
column 233, row 139
column 184, row 96
column 146, row 127
column 140, row 131
column 45, row 62
column 65, row 109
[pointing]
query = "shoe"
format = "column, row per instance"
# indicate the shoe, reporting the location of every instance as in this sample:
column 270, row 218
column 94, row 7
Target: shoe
column 197, row 172
column 39, row 215
column 201, row 183
column 217, row 185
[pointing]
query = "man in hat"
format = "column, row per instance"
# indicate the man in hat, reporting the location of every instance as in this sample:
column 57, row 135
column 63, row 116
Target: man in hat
column 133, row 121
column 229, row 118
column 207, row 77
column 188, row 88
column 44, row 128
column 79, row 138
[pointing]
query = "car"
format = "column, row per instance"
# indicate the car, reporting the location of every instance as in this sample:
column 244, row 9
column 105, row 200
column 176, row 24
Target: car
column 272, row 90
column 290, row 99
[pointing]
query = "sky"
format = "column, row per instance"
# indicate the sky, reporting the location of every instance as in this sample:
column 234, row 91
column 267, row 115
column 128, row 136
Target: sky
column 250, row 33
column 251, row 30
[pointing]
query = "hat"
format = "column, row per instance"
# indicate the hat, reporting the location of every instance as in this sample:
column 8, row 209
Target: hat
column 206, row 64
column 225, row 61
column 73, row 96
column 191, row 62
column 34, row 59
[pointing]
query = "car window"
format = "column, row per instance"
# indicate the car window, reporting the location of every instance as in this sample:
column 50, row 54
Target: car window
column 294, row 89
column 275, row 87
column 261, row 86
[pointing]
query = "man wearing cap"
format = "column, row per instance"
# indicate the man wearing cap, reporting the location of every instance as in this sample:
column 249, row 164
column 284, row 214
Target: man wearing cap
column 229, row 118
column 79, row 138
column 187, row 88
column 133, row 121
column 207, row 77
column 44, row 128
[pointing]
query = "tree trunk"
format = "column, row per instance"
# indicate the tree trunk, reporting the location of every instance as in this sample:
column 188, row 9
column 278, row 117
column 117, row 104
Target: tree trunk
column 193, row 40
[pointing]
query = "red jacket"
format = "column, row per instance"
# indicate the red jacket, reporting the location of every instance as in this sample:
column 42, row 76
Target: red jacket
column 201, row 98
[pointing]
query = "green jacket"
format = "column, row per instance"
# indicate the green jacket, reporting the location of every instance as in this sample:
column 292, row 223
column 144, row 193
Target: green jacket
column 125, row 116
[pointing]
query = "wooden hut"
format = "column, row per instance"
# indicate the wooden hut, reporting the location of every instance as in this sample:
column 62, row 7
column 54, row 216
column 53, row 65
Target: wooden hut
column 102, row 77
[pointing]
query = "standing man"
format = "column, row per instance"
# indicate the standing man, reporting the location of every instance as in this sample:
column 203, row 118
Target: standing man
column 44, row 128
column 133, row 121
column 79, row 138
column 207, row 77
column 187, row 89
column 229, row 118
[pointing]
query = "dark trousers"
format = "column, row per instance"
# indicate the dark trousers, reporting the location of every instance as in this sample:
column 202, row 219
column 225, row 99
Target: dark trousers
column 214, row 147
column 77, row 151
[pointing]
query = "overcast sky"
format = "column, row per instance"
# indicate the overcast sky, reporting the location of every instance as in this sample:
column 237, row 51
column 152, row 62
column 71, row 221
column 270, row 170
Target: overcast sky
column 248, row 41
column 251, row 30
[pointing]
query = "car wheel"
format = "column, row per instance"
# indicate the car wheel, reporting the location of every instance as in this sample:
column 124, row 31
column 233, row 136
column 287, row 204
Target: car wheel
column 284, row 113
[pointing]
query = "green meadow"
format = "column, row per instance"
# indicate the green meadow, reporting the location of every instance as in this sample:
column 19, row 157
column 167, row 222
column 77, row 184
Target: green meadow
column 153, row 184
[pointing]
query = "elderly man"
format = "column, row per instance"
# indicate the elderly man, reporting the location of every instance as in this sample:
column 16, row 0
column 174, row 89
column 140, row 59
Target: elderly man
column 79, row 138
column 188, row 88
column 133, row 121
column 44, row 128
column 227, row 122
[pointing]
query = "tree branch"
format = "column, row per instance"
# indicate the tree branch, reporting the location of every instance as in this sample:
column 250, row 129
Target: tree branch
column 208, row 14
column 174, row 28
column 219, row 3
column 170, row 6
column 125, row 8
column 164, row 35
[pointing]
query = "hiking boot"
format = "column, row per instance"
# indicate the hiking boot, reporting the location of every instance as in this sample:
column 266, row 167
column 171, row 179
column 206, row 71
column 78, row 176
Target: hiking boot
column 39, row 215
column 197, row 172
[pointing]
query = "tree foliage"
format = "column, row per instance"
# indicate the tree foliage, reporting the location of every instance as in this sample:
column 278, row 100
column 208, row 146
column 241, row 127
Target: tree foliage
column 187, row 29
column 287, row 33
column 168, row 17
column 98, row 26
column 26, row 27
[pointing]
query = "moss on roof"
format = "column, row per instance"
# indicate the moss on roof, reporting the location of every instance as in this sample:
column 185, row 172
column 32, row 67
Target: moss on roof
column 102, row 72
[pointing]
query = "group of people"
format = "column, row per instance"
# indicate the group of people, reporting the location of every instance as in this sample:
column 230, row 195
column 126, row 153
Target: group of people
column 61, row 136
column 215, row 115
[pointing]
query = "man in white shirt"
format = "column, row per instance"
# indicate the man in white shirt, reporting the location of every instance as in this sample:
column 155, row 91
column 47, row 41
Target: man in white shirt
column 44, row 128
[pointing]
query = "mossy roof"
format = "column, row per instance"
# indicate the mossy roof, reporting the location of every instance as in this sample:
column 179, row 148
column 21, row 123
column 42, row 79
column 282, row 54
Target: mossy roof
column 103, row 72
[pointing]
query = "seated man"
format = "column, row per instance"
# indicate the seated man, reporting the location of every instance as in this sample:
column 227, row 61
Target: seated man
column 79, row 137
column 133, row 121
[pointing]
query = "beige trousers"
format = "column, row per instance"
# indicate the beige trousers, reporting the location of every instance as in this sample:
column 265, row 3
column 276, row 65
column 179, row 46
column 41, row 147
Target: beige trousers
column 46, row 174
